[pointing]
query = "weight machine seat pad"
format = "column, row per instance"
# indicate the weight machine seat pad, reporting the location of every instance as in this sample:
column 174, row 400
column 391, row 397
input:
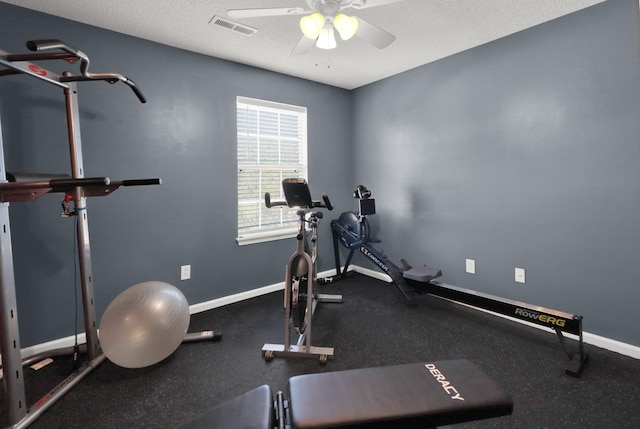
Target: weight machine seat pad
column 423, row 394
column 252, row 410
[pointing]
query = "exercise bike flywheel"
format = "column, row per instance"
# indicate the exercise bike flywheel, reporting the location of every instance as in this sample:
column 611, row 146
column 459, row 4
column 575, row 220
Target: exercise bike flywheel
column 299, row 313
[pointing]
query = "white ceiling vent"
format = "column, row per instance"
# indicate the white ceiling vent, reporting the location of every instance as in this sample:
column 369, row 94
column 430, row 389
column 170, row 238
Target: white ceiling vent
column 233, row 26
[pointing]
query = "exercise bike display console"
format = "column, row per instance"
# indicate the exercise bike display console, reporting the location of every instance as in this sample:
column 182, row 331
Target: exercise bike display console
column 300, row 302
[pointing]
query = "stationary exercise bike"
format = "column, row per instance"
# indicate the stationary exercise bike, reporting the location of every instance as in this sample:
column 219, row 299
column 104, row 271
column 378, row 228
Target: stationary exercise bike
column 353, row 232
column 300, row 301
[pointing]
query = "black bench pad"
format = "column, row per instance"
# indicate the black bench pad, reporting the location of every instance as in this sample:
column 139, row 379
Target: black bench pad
column 417, row 395
column 427, row 394
column 252, row 410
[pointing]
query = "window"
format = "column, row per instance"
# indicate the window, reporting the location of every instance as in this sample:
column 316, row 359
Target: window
column 271, row 146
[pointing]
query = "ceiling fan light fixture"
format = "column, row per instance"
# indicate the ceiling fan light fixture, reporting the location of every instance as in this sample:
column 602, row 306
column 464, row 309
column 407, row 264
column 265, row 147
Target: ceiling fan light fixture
column 347, row 26
column 311, row 25
column 326, row 40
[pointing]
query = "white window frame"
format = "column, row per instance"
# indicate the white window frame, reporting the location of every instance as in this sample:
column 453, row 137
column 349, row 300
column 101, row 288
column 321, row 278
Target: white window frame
column 268, row 233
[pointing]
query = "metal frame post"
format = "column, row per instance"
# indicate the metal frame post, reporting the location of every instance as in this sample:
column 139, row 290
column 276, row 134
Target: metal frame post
column 80, row 203
column 12, row 379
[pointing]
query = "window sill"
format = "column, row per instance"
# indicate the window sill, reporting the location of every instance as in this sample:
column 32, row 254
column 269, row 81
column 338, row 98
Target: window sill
column 263, row 237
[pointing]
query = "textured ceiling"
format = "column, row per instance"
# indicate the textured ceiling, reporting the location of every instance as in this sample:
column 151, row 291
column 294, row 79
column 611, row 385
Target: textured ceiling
column 426, row 30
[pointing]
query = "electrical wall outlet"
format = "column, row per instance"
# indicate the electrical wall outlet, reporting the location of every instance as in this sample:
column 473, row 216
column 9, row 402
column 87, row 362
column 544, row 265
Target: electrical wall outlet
column 185, row 272
column 471, row 266
column 519, row 275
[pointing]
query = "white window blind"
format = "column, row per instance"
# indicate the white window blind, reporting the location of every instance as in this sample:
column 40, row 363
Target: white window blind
column 271, row 146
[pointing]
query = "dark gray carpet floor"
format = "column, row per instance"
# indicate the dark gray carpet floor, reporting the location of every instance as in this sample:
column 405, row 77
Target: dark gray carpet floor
column 372, row 327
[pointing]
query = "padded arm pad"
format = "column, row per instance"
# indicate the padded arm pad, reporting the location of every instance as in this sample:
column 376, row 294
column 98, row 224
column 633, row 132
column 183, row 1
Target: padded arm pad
column 426, row 394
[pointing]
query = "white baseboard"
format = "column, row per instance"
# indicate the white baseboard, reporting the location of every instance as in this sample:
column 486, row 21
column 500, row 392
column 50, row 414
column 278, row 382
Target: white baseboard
column 60, row 343
column 371, row 273
column 612, row 345
column 595, row 340
column 230, row 299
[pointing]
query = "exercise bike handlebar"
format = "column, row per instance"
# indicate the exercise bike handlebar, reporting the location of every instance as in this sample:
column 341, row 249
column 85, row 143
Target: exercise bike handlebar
column 43, row 45
column 269, row 203
column 325, row 203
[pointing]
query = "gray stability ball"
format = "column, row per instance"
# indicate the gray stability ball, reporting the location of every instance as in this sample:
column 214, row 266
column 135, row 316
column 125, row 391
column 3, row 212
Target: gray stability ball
column 144, row 324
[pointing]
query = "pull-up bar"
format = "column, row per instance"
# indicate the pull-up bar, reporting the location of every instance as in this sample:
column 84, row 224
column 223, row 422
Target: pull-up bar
column 22, row 64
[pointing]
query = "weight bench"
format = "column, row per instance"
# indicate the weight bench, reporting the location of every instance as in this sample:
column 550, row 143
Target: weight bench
column 416, row 395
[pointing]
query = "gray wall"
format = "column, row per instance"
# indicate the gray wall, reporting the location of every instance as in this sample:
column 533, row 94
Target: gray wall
column 185, row 135
column 522, row 152
column 519, row 153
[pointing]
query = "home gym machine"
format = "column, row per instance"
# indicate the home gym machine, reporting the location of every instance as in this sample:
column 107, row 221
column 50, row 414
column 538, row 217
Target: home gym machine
column 16, row 187
column 300, row 302
column 352, row 231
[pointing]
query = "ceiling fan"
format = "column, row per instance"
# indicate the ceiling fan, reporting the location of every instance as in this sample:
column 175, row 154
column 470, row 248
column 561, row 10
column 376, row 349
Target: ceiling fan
column 320, row 20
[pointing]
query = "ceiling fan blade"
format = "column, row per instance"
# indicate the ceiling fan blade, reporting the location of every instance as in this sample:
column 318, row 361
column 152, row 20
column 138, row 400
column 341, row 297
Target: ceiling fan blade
column 373, row 3
column 275, row 11
column 304, row 46
column 374, row 35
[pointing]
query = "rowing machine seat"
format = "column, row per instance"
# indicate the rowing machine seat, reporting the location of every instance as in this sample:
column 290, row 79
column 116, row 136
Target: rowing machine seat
column 422, row 274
